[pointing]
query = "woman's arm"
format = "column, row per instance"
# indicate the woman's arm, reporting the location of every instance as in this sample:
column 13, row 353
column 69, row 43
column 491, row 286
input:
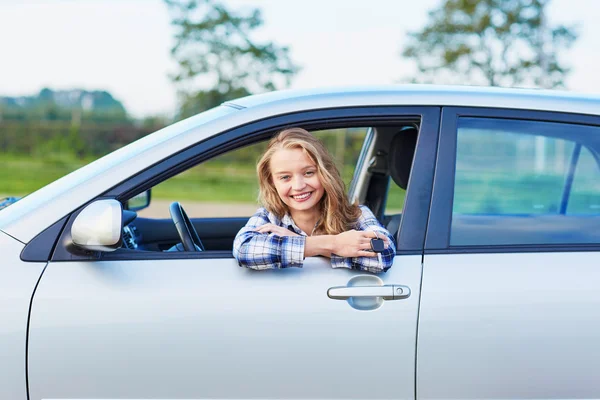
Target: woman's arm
column 261, row 250
column 372, row 262
column 262, row 244
column 351, row 243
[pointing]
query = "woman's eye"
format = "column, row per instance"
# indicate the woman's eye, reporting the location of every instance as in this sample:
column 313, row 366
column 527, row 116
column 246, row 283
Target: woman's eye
column 284, row 177
column 309, row 173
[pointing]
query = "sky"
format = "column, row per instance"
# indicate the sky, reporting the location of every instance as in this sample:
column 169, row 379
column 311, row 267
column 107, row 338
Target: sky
column 123, row 46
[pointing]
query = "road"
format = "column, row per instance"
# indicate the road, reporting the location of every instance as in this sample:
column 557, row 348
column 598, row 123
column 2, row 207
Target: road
column 160, row 209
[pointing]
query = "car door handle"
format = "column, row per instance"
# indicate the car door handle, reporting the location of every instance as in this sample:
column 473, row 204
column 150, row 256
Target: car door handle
column 388, row 292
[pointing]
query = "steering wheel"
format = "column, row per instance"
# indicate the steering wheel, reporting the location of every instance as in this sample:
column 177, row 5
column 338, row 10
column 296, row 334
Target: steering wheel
column 187, row 233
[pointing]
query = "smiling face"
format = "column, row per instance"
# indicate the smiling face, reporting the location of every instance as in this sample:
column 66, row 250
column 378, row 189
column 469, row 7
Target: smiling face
column 296, row 180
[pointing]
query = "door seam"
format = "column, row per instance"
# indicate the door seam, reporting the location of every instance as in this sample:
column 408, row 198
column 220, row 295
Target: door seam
column 437, row 143
column 27, row 331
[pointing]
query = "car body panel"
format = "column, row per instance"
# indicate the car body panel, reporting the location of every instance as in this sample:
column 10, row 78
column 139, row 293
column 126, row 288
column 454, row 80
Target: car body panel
column 210, row 329
column 507, row 326
column 425, row 95
column 518, row 318
column 17, row 283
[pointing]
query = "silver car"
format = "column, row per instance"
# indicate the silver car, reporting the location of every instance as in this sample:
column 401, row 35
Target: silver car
column 494, row 199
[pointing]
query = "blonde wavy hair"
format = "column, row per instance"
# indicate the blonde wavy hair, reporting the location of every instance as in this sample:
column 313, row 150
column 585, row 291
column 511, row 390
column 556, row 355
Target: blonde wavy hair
column 337, row 213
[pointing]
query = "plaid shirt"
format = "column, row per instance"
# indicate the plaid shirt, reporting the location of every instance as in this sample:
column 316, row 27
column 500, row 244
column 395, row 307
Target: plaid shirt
column 257, row 250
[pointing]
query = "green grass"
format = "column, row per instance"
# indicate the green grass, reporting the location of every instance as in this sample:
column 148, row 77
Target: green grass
column 395, row 199
column 22, row 175
column 210, row 182
column 232, row 183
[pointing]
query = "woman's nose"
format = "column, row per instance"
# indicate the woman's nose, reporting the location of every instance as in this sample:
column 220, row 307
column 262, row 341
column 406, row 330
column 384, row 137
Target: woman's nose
column 298, row 183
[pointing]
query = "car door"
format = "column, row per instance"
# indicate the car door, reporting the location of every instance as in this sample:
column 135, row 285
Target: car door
column 196, row 325
column 510, row 301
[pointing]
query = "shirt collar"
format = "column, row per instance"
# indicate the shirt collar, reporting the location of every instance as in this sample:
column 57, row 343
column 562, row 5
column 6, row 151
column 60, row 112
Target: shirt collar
column 288, row 222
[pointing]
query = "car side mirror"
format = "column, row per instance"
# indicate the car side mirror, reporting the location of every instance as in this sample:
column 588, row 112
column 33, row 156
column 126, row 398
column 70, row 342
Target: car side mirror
column 98, row 226
column 139, row 201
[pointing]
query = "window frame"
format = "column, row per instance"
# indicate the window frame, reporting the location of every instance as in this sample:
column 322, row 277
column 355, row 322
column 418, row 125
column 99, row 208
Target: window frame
column 440, row 219
column 410, row 239
column 574, row 167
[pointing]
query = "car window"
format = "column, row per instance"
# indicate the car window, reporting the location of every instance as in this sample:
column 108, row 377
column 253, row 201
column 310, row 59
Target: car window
column 395, row 199
column 525, row 182
column 227, row 185
column 401, row 154
column 345, row 146
column 223, row 186
column 584, row 196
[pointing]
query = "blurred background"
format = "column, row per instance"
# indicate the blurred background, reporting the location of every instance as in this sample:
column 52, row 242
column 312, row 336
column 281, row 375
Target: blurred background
column 81, row 78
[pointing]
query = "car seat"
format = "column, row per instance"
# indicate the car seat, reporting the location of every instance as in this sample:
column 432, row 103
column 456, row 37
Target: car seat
column 402, row 151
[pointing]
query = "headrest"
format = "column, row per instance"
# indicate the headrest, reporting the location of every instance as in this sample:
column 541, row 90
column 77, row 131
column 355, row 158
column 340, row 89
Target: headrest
column 402, row 152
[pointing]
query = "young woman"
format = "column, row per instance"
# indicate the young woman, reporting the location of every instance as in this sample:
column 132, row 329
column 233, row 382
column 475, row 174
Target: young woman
column 306, row 212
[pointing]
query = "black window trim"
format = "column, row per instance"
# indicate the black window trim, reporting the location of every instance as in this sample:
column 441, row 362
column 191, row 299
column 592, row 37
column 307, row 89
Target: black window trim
column 417, row 203
column 438, row 228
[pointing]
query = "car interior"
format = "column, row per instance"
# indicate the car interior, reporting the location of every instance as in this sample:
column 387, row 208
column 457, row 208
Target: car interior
column 383, row 166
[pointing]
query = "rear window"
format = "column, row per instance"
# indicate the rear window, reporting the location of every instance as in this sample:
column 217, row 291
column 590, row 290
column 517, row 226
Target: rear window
column 525, row 182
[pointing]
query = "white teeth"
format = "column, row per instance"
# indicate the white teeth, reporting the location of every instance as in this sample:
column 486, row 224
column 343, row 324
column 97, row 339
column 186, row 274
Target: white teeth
column 302, row 196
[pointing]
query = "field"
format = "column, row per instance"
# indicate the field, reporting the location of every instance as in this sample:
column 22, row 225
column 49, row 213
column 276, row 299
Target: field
column 21, row 175
column 211, row 189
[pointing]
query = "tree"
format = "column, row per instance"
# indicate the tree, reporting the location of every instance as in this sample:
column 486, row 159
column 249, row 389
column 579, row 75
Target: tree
column 492, row 42
column 214, row 50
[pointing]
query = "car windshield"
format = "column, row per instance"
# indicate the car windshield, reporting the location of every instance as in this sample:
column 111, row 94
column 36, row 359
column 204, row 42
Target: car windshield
column 7, row 201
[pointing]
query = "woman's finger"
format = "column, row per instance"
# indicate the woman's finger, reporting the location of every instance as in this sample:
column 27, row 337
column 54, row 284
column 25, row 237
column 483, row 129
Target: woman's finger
column 365, row 244
column 379, row 235
column 368, row 235
column 264, row 228
column 277, row 230
column 365, row 253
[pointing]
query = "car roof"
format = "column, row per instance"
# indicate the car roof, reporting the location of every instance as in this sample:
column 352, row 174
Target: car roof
column 430, row 95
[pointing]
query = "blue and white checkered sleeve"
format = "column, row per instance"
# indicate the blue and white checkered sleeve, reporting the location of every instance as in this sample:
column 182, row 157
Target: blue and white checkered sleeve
column 368, row 222
column 259, row 251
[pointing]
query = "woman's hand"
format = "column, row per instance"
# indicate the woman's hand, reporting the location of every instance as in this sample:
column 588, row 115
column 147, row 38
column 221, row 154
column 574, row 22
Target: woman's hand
column 277, row 230
column 356, row 243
